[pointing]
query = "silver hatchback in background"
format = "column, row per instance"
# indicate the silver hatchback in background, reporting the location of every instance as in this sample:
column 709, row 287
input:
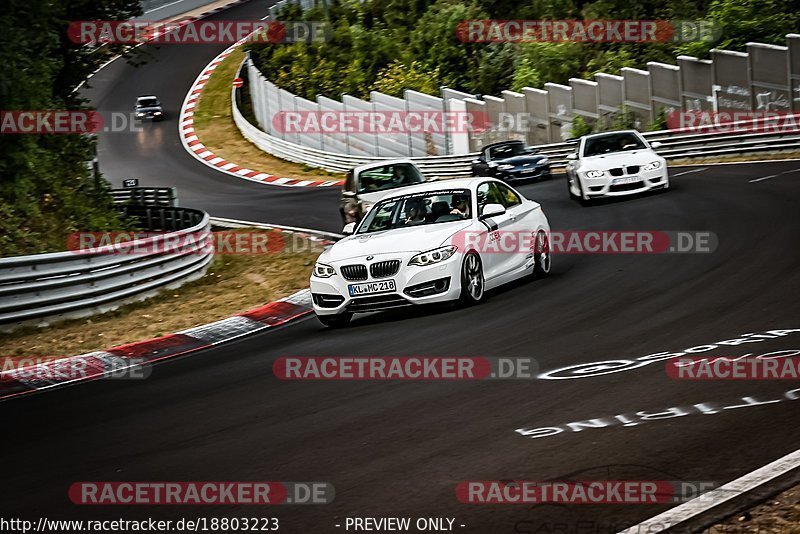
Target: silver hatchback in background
column 367, row 184
column 149, row 108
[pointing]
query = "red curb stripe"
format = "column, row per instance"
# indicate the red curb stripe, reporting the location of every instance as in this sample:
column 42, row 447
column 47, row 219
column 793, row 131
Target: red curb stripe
column 276, row 313
column 193, row 98
column 159, row 347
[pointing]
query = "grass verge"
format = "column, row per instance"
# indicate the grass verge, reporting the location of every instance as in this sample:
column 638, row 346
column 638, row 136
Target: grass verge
column 233, row 284
column 214, row 126
column 780, row 514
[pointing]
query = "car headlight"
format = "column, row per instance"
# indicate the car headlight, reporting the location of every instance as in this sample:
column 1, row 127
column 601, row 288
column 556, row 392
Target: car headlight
column 594, row 174
column 653, row 165
column 156, row 113
column 544, row 161
column 505, row 167
column 139, row 114
column 433, row 256
column 322, row 270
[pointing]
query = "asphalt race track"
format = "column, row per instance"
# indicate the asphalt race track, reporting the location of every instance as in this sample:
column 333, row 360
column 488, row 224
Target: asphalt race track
column 156, row 156
column 400, row 448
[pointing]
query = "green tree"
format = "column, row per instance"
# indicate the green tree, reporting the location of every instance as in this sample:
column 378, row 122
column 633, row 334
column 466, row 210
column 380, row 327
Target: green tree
column 397, row 77
column 738, row 22
column 548, row 62
column 46, row 187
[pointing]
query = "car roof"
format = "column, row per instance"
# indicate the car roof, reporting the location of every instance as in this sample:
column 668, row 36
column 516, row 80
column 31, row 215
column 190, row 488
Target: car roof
column 500, row 143
column 600, row 134
column 375, row 164
column 436, row 185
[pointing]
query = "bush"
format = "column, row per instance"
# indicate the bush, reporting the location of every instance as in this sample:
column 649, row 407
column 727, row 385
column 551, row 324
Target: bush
column 47, row 188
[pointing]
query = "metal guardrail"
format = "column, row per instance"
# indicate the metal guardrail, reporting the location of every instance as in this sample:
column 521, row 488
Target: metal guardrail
column 146, row 196
column 675, row 146
column 42, row 288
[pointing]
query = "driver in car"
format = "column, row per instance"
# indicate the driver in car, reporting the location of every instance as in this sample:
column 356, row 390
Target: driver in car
column 460, row 206
column 415, row 211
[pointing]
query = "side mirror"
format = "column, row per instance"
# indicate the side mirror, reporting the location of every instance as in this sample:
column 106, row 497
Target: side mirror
column 572, row 156
column 655, row 144
column 348, row 194
column 349, row 228
column 492, row 210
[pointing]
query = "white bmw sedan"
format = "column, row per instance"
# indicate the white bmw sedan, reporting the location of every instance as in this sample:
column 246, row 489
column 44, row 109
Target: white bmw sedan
column 614, row 164
column 434, row 242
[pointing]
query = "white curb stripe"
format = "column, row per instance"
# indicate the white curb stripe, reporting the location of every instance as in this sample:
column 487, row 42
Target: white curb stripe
column 714, row 498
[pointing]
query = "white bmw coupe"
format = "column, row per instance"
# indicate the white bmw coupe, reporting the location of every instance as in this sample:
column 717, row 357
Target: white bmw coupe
column 434, row 242
column 614, row 164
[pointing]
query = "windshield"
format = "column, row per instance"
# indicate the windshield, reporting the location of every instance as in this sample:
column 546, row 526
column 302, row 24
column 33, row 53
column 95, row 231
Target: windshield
column 508, row 151
column 388, row 177
column 147, row 102
column 606, row 144
column 418, row 210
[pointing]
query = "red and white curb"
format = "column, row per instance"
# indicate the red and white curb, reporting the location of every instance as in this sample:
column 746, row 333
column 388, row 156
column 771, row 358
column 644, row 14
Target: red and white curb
column 108, row 363
column 196, row 148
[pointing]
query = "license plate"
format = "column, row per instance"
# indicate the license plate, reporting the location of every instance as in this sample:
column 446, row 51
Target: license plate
column 627, row 180
column 370, row 288
column 528, row 171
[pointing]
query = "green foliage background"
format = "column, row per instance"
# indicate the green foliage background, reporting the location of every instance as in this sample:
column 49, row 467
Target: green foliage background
column 46, row 185
column 391, row 45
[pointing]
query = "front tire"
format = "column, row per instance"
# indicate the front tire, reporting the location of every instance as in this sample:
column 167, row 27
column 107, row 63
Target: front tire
column 542, row 261
column 335, row 321
column 472, row 281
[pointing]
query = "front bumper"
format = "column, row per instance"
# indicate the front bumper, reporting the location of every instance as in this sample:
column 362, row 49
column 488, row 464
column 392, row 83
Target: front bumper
column 150, row 117
column 640, row 182
column 525, row 173
column 439, row 282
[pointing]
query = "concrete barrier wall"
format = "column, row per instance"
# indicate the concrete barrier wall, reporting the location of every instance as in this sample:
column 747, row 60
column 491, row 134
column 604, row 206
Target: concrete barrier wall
column 765, row 78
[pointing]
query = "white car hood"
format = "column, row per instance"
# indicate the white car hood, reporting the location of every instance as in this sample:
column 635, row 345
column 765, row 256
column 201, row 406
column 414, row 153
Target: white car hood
column 617, row 159
column 399, row 240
